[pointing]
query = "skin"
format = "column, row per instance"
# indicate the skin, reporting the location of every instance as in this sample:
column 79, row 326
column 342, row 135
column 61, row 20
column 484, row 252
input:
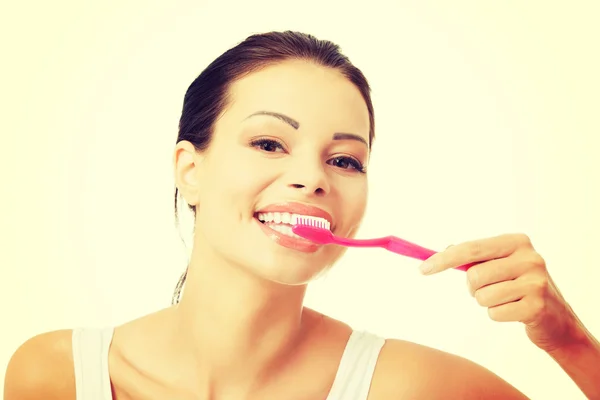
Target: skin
column 512, row 281
column 241, row 330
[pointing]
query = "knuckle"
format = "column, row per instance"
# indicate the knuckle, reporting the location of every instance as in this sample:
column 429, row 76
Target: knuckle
column 537, row 307
column 537, row 260
column 494, row 314
column 470, row 288
column 480, row 297
column 523, row 239
column 475, row 249
column 473, row 277
column 541, row 287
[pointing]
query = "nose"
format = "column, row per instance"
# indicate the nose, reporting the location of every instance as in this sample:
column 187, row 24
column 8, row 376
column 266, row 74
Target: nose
column 311, row 180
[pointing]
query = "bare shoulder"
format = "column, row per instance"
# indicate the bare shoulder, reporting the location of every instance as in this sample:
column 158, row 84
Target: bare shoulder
column 42, row 368
column 408, row 370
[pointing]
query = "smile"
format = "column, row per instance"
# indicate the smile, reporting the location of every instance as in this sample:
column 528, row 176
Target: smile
column 276, row 222
column 283, row 221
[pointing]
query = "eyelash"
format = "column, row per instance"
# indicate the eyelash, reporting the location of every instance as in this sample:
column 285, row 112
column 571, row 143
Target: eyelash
column 356, row 165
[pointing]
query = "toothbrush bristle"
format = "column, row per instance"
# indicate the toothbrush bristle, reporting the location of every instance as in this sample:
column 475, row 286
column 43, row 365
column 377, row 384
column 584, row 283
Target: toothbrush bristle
column 311, row 222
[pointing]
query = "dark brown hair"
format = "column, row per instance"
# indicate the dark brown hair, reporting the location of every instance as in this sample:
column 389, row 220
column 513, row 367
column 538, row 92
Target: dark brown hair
column 207, row 96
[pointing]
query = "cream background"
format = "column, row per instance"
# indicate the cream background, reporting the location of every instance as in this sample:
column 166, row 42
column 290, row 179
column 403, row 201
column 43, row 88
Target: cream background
column 487, row 123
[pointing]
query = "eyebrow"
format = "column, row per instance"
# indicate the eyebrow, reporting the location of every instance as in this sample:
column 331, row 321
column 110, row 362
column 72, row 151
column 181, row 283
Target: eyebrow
column 295, row 124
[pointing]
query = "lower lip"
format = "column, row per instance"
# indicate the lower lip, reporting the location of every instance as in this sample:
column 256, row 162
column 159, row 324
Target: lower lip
column 303, row 245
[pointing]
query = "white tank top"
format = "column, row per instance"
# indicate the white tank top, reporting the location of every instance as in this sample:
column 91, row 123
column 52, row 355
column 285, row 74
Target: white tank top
column 92, row 379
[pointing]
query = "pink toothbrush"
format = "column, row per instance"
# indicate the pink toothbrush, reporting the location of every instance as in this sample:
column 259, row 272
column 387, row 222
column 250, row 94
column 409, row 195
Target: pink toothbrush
column 315, row 231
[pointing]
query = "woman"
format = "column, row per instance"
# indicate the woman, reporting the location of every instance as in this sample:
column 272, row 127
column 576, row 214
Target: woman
column 283, row 124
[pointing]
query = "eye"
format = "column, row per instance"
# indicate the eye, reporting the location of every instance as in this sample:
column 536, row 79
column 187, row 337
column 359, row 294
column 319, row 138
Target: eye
column 347, row 163
column 267, row 145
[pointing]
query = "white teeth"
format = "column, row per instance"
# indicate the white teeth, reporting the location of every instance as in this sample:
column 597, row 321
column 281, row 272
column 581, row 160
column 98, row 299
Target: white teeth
column 288, row 219
column 285, row 229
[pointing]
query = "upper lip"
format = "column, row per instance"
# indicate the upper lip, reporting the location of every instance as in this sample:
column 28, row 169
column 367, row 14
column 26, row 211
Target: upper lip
column 298, row 208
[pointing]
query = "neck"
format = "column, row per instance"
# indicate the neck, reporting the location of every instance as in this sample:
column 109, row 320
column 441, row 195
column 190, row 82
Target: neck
column 235, row 328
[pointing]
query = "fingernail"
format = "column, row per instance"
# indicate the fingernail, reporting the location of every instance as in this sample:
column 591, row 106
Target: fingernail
column 426, row 267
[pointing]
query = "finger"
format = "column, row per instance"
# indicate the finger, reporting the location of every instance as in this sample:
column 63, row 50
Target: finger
column 494, row 271
column 500, row 293
column 523, row 310
column 506, row 312
column 474, row 251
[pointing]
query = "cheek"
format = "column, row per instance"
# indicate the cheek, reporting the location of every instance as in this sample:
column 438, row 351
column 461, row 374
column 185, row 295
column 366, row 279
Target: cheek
column 354, row 205
column 245, row 181
column 235, row 182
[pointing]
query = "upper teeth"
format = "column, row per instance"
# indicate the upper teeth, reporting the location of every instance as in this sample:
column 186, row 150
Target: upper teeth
column 291, row 219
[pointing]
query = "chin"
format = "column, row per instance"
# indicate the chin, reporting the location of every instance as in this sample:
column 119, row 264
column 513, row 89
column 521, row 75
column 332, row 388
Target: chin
column 294, row 271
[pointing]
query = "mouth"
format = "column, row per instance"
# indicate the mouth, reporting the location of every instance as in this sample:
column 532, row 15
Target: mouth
column 283, row 221
column 290, row 213
column 277, row 221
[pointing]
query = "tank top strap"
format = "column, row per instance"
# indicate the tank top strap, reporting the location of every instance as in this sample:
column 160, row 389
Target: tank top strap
column 92, row 378
column 357, row 365
column 90, row 361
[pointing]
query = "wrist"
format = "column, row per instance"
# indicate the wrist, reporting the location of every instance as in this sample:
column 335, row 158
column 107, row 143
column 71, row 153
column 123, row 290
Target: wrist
column 580, row 359
column 578, row 340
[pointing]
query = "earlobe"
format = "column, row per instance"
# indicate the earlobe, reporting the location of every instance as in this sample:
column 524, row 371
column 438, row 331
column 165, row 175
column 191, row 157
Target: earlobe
column 186, row 162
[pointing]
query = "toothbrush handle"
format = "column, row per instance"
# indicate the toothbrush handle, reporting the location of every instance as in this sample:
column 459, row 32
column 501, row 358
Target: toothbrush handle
column 408, row 249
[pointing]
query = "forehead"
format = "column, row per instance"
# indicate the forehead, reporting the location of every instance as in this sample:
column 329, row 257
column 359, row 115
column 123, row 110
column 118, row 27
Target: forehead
column 318, row 97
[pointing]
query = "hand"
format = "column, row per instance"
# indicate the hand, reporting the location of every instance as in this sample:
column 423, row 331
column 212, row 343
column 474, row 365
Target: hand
column 511, row 280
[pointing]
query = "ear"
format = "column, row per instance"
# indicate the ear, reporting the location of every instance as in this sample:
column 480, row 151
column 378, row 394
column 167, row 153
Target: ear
column 187, row 166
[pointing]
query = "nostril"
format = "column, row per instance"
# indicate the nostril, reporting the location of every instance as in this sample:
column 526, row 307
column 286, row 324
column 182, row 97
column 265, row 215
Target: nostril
column 318, row 190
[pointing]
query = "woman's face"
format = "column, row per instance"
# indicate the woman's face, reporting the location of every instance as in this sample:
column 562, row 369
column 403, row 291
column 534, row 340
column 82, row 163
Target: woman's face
column 292, row 140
